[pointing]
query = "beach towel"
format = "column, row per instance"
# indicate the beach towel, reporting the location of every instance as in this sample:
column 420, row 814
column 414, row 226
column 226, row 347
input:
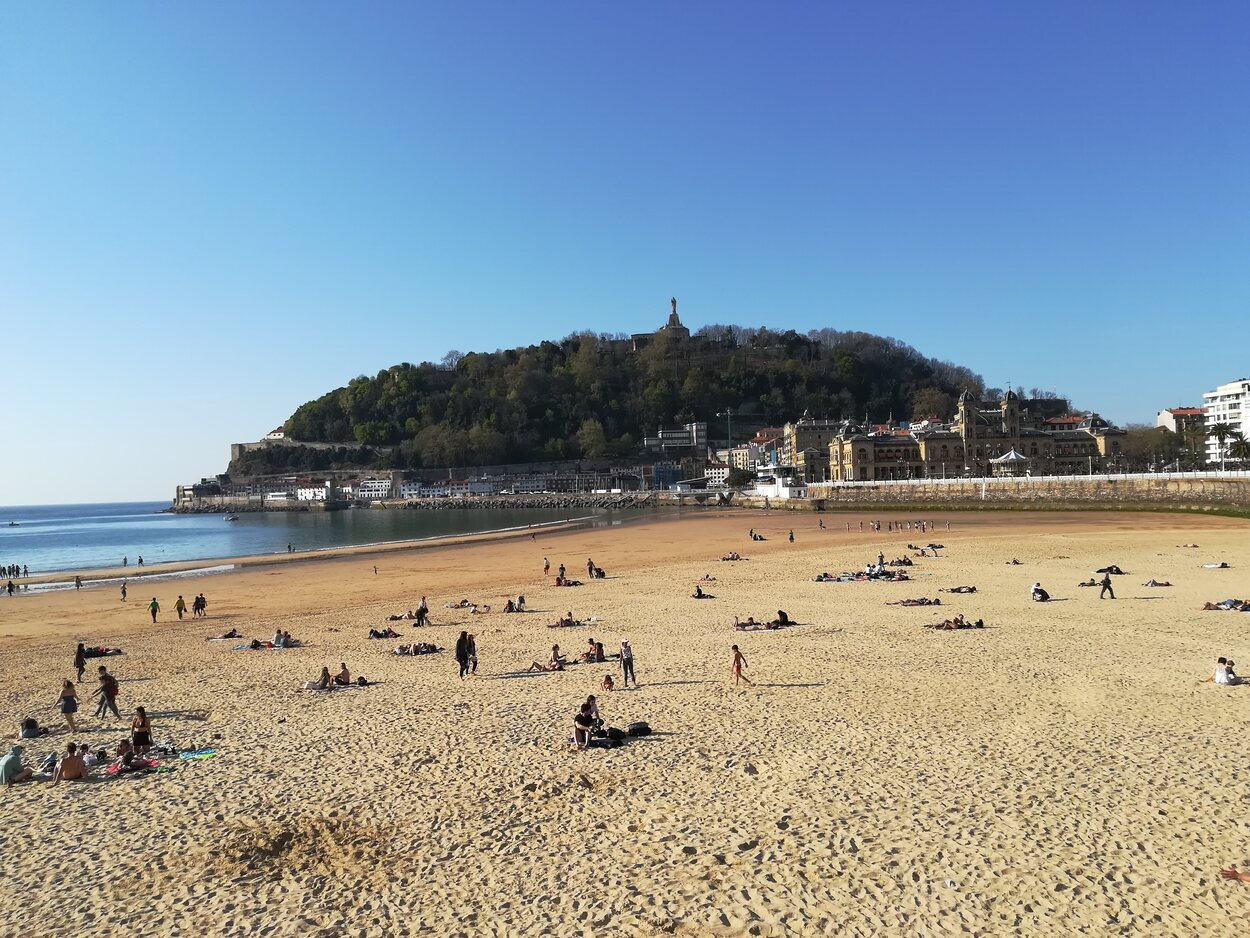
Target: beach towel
column 198, row 754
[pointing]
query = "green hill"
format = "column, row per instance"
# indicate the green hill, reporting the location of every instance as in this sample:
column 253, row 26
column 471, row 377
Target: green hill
column 590, row 395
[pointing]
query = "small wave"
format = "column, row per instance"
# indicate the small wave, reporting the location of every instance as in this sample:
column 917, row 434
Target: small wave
column 56, row 586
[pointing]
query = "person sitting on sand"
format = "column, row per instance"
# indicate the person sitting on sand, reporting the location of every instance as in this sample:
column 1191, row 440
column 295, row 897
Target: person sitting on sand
column 554, row 663
column 1039, row 595
column 30, row 729
column 1153, row 582
column 1231, row 670
column 344, row 677
column 607, row 683
column 708, row 578
column 588, row 656
column 325, row 682
column 509, row 606
column 699, row 594
column 583, row 724
column 1220, row 674
column 959, row 589
column 11, row 769
column 732, row 555
column 71, row 767
column 1013, row 562
column 781, row 621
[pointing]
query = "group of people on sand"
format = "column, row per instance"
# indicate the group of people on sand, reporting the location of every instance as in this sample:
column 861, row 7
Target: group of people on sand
column 732, row 556
column 594, row 654
column 421, row 616
column 1228, row 605
column 327, row 681
column 915, row 602
column 417, row 648
column 78, row 762
column 1223, row 673
column 466, row 654
column 750, row 625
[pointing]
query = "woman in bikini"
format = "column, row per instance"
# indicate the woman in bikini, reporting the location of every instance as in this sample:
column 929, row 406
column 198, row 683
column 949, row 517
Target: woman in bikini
column 141, row 731
column 67, row 703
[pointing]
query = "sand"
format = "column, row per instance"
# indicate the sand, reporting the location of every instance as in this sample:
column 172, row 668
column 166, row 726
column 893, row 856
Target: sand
column 1060, row 772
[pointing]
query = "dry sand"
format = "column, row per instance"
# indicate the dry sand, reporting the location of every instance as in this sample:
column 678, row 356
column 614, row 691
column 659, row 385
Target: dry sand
column 1061, row 772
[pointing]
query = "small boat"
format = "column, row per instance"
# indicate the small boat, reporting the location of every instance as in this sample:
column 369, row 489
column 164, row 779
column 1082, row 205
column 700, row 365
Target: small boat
column 232, row 518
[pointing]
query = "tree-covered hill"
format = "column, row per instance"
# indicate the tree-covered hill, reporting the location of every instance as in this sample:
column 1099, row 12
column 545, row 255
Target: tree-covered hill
column 593, row 395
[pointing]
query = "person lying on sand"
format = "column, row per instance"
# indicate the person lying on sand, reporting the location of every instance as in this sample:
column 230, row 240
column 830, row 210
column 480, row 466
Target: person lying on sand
column 915, row 602
column 565, row 581
column 233, row 633
column 1112, row 569
column 417, row 648
column 901, row 562
column 959, row 589
column 1228, row 605
column 699, row 594
column 387, row 632
column 750, row 625
column 1090, row 582
column 959, row 622
column 1153, row 582
column 707, row 578
column 463, row 604
column 1215, row 566
column 1186, row 545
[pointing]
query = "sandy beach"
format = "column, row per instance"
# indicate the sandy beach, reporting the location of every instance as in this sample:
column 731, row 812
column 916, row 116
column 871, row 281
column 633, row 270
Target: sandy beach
column 1061, row 771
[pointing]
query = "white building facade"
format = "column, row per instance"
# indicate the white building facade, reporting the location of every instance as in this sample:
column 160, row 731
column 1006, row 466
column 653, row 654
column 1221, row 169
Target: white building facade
column 1226, row 405
column 373, row 490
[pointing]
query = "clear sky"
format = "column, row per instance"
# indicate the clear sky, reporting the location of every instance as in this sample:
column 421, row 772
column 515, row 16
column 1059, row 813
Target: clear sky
column 210, row 213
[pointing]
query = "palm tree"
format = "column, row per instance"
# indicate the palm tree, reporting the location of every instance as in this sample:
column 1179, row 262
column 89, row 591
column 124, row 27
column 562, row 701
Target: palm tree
column 1221, row 432
column 1239, row 448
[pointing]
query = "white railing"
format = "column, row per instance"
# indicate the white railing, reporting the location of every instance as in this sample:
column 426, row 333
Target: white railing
column 1035, row 479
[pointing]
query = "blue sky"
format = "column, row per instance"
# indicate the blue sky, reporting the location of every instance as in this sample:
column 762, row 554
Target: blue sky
column 212, row 213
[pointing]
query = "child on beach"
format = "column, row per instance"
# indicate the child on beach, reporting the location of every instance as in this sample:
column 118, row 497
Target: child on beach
column 739, row 664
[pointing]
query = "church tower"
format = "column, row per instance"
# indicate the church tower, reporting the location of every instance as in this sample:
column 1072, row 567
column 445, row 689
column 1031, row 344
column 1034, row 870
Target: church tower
column 1010, row 408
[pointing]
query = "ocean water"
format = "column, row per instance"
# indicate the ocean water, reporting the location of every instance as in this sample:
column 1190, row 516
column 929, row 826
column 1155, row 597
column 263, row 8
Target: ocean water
column 55, row 538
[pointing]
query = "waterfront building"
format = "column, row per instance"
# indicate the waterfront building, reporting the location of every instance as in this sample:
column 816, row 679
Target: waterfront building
column 1182, row 420
column 676, row 442
column 372, row 490
column 1226, row 405
column 980, row 433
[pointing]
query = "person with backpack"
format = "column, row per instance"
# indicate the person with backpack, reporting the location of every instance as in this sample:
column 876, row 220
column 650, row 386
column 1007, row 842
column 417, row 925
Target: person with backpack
column 107, row 693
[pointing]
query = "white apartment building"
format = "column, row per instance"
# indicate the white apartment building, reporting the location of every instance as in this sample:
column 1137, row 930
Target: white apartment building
column 1226, row 404
column 314, row 492
column 717, row 474
column 374, row 489
column 433, row 490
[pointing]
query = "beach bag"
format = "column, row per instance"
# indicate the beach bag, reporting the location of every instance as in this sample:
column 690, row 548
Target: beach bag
column 638, row 729
column 599, row 744
column 615, row 733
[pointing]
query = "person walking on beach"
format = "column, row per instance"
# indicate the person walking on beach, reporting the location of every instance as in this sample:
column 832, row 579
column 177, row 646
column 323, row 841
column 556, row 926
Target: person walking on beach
column 472, row 649
column 462, row 654
column 77, row 582
column 67, row 703
column 80, row 660
column 154, row 607
column 546, row 567
column 791, row 535
column 627, row 664
column 180, row 606
column 1106, row 586
column 107, row 693
column 203, row 607
column 590, row 569
column 738, row 666
column 123, row 590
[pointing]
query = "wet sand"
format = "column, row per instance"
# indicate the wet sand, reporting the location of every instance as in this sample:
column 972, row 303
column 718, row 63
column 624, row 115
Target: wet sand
column 1062, row 770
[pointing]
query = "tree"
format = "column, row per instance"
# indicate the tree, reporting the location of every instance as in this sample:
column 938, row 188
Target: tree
column 1221, row 432
column 1239, row 448
column 592, row 439
column 931, row 402
column 739, row 478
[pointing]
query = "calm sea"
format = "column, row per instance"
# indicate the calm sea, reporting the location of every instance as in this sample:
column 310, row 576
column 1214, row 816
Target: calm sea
column 53, row 538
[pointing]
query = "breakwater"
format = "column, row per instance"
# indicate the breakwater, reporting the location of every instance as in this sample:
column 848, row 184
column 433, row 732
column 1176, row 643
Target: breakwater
column 577, row 501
